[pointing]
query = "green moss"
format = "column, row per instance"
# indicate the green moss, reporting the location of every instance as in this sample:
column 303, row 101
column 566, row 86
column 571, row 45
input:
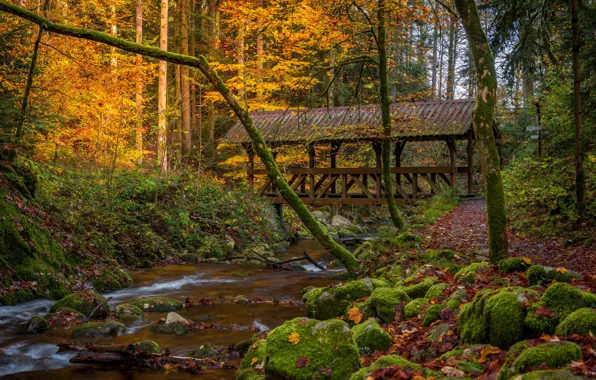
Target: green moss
column 385, row 300
column 538, row 275
column 388, row 361
column 579, row 322
column 432, row 314
column 128, row 312
column 407, row 239
column 35, row 325
column 148, row 346
column 326, row 344
column 79, row 316
column 418, row 290
column 513, row 264
column 456, row 298
column 495, row 317
column 557, row 374
column 248, row 368
column 412, row 309
column 560, row 299
column 554, row 354
column 178, row 328
column 364, row 248
column 468, row 274
column 433, row 255
column 98, row 330
column 437, row 331
column 84, row 302
column 111, row 280
column 327, row 303
column 365, row 309
column 436, row 290
column 370, row 337
column 206, row 350
column 156, row 304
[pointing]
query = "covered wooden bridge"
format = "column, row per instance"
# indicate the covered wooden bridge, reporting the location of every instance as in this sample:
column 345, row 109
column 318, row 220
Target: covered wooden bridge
column 447, row 121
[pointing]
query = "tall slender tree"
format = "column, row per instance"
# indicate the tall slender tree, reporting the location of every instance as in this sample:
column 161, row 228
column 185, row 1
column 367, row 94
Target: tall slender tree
column 162, row 96
column 139, row 93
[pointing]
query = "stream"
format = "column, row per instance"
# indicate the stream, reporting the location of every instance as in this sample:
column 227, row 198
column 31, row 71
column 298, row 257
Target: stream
column 32, row 356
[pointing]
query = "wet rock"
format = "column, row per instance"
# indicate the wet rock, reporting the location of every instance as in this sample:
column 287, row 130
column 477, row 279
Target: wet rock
column 204, row 351
column 303, row 347
column 84, row 302
column 296, row 267
column 321, row 216
column 339, row 221
column 128, row 313
column 189, row 258
column 148, row 346
column 35, row 325
column 160, row 304
column 99, row 330
column 538, row 275
column 252, row 366
column 178, row 328
column 175, row 318
column 345, row 233
column 242, row 300
column 370, row 337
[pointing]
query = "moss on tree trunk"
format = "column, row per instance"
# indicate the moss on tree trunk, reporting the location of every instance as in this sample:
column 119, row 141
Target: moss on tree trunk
column 199, row 62
column 486, row 100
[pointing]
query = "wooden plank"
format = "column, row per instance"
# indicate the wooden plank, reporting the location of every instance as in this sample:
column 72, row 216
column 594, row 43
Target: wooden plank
column 432, row 183
column 361, row 185
column 339, row 201
column 320, row 182
column 444, row 178
column 414, row 186
column 265, row 186
column 401, row 191
column 361, row 171
column 409, row 178
column 332, row 180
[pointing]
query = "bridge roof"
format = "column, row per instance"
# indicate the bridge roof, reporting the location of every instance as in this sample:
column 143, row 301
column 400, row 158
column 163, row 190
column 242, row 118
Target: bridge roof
column 433, row 120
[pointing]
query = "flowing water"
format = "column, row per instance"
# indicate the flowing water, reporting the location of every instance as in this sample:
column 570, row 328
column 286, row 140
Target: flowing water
column 36, row 356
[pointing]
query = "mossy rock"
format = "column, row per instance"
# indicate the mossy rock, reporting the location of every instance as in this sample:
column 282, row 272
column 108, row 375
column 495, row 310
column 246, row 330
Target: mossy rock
column 538, row 275
column 513, row 264
column 579, row 322
column 328, row 346
column 35, row 325
column 206, row 350
column 370, row 337
column 495, row 316
column 365, row 309
column 128, row 313
column 189, row 258
column 560, row 299
column 456, row 299
column 178, row 328
column 407, row 239
column 385, row 300
column 365, row 248
column 437, row 331
column 147, row 346
column 99, row 330
column 78, row 315
column 251, row 369
column 552, row 374
column 468, row 274
column 418, row 290
column 159, row 304
column 412, row 309
column 554, row 354
column 389, row 361
column 433, row 255
column 345, row 233
column 436, row 291
column 433, row 314
column 327, row 303
column 84, row 302
column 111, row 279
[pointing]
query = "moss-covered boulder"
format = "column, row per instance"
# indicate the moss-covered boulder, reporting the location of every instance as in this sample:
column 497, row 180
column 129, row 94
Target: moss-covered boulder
column 327, row 303
column 303, row 347
column 99, row 330
column 252, row 366
column 370, row 337
column 579, row 322
column 438, row 254
column 412, row 309
column 385, row 300
column 35, row 325
column 128, row 313
column 84, row 302
column 514, row 264
column 456, row 299
column 389, row 361
column 433, row 314
column 365, row 308
column 522, row 357
column 159, row 304
column 495, row 316
column 558, row 301
column 147, row 346
column 552, row 374
column 78, row 315
column 436, row 290
column 468, row 274
column 178, row 328
column 418, row 290
column 539, row 275
column 437, row 331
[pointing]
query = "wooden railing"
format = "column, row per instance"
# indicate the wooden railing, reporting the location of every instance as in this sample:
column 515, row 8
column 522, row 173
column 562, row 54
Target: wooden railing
column 358, row 185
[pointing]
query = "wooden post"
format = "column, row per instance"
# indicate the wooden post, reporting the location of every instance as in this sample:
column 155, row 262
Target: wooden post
column 312, row 156
column 451, row 146
column 399, row 148
column 414, row 187
column 470, row 160
column 378, row 151
column 333, row 153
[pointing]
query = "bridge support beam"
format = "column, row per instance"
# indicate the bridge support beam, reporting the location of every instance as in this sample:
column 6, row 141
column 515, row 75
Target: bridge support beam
column 470, row 138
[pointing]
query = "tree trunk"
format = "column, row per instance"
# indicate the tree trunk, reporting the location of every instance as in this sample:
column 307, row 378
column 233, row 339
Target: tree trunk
column 242, row 94
column 580, row 179
column 162, row 92
column 139, row 94
column 184, row 81
column 396, row 217
column 213, row 34
column 486, row 100
column 330, row 92
column 260, row 51
column 451, row 60
column 434, row 64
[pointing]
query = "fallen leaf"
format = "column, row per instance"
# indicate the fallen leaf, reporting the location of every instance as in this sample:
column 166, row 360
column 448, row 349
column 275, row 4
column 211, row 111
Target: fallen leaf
column 452, row 372
column 253, row 361
column 294, row 338
column 302, row 362
column 527, row 260
column 488, row 350
column 355, row 315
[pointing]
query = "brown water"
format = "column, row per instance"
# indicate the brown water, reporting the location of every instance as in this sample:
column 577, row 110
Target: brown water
column 35, row 356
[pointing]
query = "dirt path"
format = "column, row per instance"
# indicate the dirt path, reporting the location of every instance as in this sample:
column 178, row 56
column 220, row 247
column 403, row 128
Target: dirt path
column 464, row 230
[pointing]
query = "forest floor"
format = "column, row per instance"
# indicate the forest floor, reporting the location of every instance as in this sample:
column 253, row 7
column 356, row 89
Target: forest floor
column 464, row 230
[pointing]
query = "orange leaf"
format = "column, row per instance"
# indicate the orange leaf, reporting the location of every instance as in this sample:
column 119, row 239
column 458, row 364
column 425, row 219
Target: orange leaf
column 355, row 315
column 527, row 260
column 545, row 338
column 489, row 350
column 294, row 338
column 561, row 270
column 253, row 361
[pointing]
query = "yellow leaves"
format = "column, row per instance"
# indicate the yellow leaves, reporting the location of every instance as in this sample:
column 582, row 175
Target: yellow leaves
column 489, row 350
column 527, row 260
column 253, row 361
column 294, row 338
column 355, row 315
column 561, row 270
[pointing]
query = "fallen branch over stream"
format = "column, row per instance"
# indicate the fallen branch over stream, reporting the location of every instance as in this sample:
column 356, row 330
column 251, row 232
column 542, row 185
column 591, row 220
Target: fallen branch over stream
column 277, row 264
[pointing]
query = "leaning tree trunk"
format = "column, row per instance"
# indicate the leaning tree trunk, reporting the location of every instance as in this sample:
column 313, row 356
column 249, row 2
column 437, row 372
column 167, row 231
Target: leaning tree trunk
column 580, row 176
column 199, row 62
column 396, row 217
column 486, row 99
